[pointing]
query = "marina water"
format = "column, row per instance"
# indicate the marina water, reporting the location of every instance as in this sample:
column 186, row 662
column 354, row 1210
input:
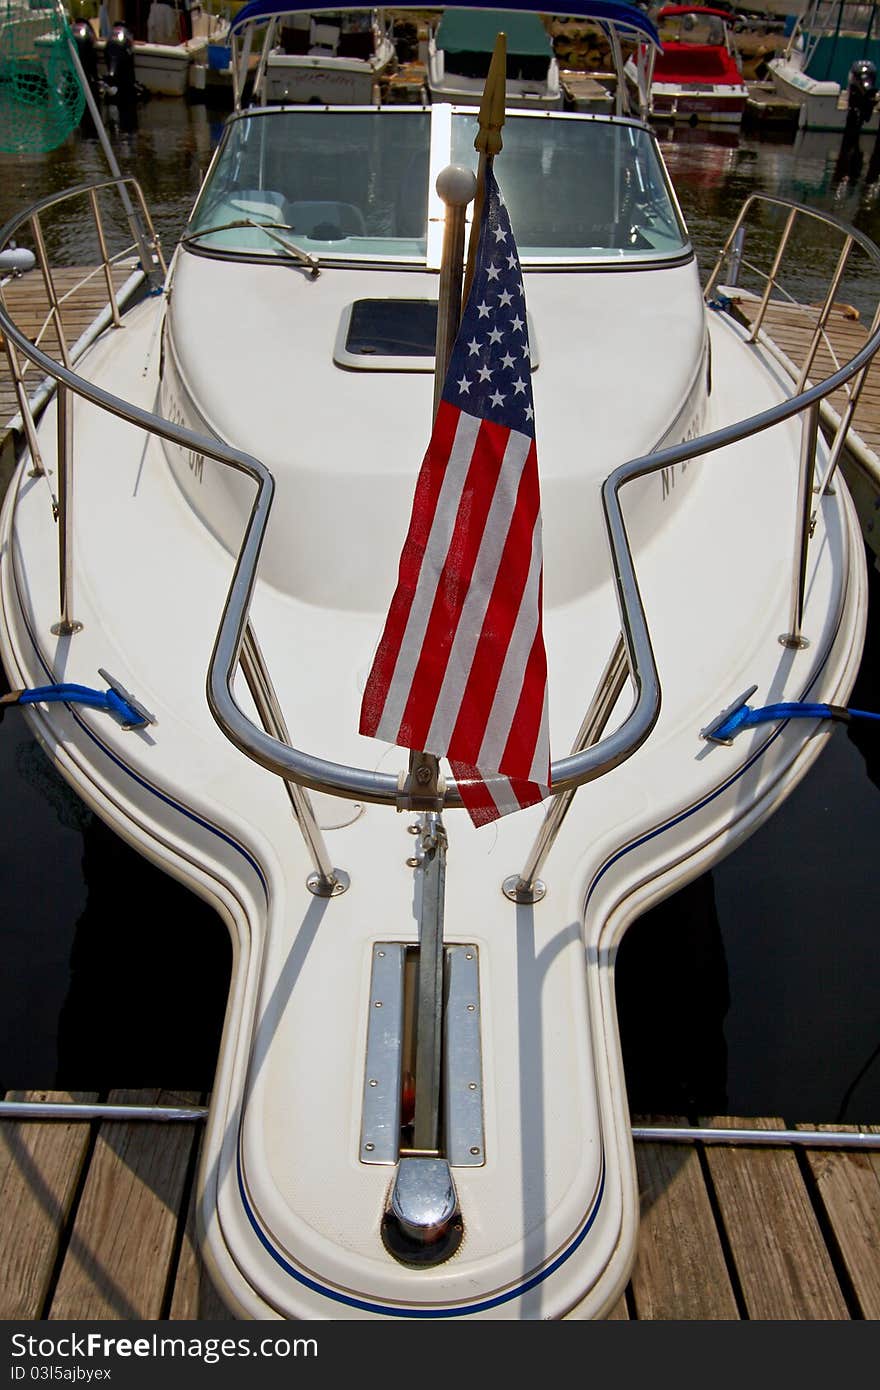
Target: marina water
column 753, row 992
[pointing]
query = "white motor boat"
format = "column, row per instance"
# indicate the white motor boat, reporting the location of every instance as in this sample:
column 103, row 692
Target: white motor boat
column 813, row 71
column 334, row 58
column 460, row 47
column 420, row 1109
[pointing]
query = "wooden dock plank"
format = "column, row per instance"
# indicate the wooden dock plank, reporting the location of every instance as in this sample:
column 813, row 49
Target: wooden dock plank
column 782, row 1263
column 791, row 328
column 727, row 1232
column 123, row 1241
column 848, row 1184
column 40, row 1168
column 28, row 305
column 680, row 1271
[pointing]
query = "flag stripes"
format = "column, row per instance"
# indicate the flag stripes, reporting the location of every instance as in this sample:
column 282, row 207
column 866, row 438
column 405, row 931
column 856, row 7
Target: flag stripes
column 460, row 669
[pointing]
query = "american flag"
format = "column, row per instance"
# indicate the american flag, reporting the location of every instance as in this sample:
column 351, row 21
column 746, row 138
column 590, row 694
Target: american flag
column 460, row 669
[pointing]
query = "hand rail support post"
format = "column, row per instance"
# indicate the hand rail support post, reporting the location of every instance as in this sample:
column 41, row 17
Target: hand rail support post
column 527, row 887
column 794, row 638
column 325, row 882
column 66, row 625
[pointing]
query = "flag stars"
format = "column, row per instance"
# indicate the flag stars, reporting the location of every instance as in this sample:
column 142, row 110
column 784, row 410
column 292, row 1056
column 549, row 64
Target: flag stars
column 485, row 373
column 483, row 310
column 507, row 361
column 519, row 386
column 464, row 386
column 500, row 234
column 492, row 271
column 511, row 261
column 516, row 324
column 495, row 336
column 473, row 347
column 526, row 351
column 530, row 414
column 496, row 398
column 505, row 298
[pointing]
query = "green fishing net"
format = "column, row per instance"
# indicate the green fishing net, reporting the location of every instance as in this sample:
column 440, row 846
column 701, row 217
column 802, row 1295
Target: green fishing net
column 41, row 98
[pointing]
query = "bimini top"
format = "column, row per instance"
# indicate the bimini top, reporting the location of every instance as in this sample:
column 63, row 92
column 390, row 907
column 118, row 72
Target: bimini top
column 625, row 17
column 475, row 31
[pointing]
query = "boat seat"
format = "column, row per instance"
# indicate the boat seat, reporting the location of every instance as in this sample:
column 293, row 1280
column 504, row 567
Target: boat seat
column 323, row 39
column 294, row 41
column 326, row 221
column 355, row 45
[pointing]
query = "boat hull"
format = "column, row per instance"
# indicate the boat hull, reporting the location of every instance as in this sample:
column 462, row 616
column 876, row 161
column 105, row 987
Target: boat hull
column 823, row 105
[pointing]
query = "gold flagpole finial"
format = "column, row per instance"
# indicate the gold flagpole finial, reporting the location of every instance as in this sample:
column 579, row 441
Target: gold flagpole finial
column 488, row 141
column 491, row 117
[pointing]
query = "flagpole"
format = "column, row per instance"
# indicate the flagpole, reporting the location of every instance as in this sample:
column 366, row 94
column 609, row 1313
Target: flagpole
column 424, row 1222
column 422, row 787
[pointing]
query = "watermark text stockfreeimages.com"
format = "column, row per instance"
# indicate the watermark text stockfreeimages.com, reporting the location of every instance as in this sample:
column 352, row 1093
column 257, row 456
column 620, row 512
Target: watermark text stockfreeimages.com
column 48, row 1358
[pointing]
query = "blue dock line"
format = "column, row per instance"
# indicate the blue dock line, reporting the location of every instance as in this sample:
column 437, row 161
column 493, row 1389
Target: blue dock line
column 746, row 717
column 130, row 714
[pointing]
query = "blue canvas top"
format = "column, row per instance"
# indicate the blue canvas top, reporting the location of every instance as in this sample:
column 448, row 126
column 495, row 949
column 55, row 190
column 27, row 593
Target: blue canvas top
column 620, row 13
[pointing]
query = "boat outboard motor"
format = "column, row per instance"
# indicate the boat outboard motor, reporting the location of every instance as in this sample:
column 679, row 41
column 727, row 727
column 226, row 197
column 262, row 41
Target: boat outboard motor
column 84, row 38
column 862, row 90
column 120, row 86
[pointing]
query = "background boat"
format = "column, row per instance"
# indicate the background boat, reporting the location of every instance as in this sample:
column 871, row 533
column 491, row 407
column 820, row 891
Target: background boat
column 329, row 58
column 828, row 38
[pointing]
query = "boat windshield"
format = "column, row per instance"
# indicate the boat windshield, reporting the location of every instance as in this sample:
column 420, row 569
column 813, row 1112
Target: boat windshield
column 579, row 188
column 356, row 183
column 342, row 183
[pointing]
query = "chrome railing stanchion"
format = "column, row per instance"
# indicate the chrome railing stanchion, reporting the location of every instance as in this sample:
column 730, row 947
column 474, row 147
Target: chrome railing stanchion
column 24, row 407
column 774, row 271
column 325, row 882
column 66, row 625
column 527, row 886
column 794, row 638
column 49, row 283
column 839, row 441
column 824, row 313
column 102, row 242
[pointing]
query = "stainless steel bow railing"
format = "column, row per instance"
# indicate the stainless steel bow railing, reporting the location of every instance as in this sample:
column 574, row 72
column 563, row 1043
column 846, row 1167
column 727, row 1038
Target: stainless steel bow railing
column 593, row 755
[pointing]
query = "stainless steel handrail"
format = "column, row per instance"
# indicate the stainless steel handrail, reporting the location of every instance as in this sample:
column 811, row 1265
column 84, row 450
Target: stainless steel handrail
column 321, row 774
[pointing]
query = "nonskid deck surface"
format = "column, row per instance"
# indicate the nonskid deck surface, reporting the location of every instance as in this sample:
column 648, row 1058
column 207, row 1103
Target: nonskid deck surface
column 715, row 587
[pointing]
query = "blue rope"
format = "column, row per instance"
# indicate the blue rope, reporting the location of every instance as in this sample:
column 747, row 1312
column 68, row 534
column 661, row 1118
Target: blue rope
column 746, row 717
column 77, row 695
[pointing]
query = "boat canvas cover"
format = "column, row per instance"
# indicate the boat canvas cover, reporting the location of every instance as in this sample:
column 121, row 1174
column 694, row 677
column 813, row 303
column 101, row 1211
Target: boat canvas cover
column 619, row 13
column 475, row 31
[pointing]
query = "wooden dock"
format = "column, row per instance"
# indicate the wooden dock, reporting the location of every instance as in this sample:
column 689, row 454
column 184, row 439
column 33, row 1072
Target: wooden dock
column 81, row 298
column 96, row 1222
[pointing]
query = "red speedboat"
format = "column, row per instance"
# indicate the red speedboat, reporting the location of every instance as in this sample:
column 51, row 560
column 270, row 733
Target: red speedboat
column 696, row 77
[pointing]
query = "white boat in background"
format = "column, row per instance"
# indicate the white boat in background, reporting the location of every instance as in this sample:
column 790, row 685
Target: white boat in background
column 460, row 48
column 420, row 1108
column 168, row 61
column 814, row 69
column 333, row 58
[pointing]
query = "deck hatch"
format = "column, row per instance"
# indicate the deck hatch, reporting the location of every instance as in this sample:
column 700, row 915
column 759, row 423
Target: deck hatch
column 394, row 335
